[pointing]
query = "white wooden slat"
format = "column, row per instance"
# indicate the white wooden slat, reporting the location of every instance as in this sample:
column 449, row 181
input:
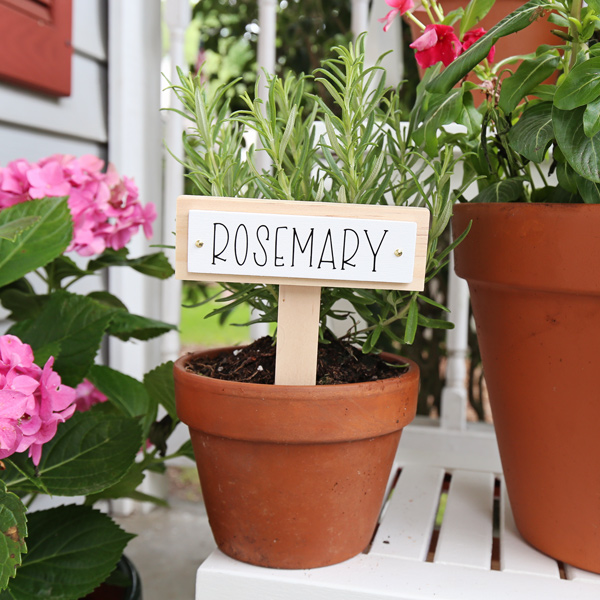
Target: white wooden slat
column 575, row 574
column 90, row 28
column 406, row 528
column 516, row 555
column 426, row 443
column 32, row 145
column 81, row 115
column 368, row 577
column 466, row 533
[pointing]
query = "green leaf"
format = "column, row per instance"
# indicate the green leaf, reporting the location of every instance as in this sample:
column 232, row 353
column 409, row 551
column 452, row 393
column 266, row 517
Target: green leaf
column 13, row 527
column 591, row 118
column 107, row 298
column 442, row 110
column 545, row 92
column 161, row 387
column 186, row 450
column 63, row 267
column 474, row 12
column 580, row 87
column 412, row 321
column 124, row 488
column 72, row 550
column 435, row 323
column 125, row 326
column 567, row 178
column 459, row 68
column 10, row 231
column 41, row 242
column 582, row 152
column 23, row 303
column 90, row 452
column 125, row 392
column 533, row 132
column 470, row 117
column 154, row 265
column 507, row 190
column 74, row 323
column 590, row 191
column 531, row 72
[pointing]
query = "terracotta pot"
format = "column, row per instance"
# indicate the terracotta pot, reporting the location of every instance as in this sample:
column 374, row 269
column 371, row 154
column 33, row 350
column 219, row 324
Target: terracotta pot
column 293, row 477
column 534, row 276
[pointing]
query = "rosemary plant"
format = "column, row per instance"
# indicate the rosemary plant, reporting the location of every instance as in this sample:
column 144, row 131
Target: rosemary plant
column 358, row 152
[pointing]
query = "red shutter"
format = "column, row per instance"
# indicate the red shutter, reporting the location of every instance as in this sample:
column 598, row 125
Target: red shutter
column 35, row 44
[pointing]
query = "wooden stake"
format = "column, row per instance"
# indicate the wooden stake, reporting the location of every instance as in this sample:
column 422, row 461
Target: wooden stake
column 297, row 335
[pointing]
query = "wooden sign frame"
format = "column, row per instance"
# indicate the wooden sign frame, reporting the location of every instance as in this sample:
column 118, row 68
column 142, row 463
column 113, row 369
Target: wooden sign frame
column 299, row 298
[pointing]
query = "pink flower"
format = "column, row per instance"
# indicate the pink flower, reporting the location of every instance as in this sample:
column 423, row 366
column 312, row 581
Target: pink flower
column 399, row 7
column 47, row 181
column 32, row 400
column 438, row 43
column 106, row 209
column 86, row 395
column 13, row 183
column 472, row 36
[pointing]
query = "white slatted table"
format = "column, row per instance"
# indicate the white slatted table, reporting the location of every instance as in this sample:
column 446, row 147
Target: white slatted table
column 475, row 554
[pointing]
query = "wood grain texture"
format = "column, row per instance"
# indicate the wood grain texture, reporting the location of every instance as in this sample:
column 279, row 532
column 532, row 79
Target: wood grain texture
column 318, row 209
column 297, row 335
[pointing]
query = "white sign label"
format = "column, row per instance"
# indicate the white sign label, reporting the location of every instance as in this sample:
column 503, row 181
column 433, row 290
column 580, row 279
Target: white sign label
column 299, row 246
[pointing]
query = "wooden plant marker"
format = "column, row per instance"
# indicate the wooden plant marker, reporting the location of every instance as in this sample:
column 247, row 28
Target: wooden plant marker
column 300, row 246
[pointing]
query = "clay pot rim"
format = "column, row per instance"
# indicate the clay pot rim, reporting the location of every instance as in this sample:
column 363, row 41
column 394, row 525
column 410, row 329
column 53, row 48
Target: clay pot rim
column 295, row 413
column 539, row 247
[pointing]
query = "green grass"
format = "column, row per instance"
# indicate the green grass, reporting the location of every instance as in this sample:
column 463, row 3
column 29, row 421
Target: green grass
column 196, row 330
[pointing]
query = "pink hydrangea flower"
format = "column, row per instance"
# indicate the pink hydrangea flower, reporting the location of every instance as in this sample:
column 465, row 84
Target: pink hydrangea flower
column 14, row 184
column 86, row 395
column 438, row 43
column 48, row 180
column 33, row 401
column 399, row 7
column 106, row 209
column 472, row 36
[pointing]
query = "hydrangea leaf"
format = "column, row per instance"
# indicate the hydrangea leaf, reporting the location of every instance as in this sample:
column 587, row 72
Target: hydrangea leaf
column 90, row 452
column 161, row 387
column 127, row 393
column 10, row 231
column 13, row 530
column 154, row 265
column 125, row 326
column 76, row 324
column 41, row 242
column 91, row 544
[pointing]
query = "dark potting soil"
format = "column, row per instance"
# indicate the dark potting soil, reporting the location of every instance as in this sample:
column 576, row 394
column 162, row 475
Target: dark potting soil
column 336, row 363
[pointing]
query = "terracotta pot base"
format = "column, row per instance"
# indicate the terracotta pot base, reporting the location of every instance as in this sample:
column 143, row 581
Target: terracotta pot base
column 293, row 477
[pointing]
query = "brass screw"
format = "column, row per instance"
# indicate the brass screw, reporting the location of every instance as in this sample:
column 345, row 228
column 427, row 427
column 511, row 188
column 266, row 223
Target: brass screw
column 397, row 252
column 199, row 244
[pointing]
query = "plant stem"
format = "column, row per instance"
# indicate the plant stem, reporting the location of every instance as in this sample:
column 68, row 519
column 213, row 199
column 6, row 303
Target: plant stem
column 428, row 11
column 576, row 14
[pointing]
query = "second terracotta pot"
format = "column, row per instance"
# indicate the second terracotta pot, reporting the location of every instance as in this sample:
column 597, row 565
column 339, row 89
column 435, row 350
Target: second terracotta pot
column 534, row 276
column 294, row 476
